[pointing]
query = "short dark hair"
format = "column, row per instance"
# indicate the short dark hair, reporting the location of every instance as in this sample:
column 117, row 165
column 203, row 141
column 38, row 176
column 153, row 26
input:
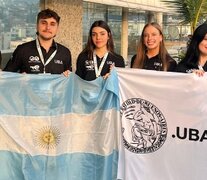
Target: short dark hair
column 48, row 13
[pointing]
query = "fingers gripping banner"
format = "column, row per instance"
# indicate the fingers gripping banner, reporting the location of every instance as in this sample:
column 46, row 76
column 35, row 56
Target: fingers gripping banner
column 164, row 125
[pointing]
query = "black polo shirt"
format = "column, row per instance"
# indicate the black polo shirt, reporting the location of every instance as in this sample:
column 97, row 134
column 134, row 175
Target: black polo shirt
column 85, row 67
column 26, row 59
column 155, row 63
column 186, row 67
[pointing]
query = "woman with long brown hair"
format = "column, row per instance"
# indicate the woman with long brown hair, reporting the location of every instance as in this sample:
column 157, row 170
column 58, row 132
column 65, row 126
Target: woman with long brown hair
column 151, row 51
column 98, row 56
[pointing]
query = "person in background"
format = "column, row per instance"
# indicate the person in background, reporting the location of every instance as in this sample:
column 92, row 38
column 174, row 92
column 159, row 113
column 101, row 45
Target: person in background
column 42, row 55
column 98, row 57
column 151, row 51
column 195, row 60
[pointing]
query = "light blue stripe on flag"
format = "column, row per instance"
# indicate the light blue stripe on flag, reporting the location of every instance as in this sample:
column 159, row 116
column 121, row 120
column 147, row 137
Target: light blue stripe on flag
column 35, row 95
column 15, row 166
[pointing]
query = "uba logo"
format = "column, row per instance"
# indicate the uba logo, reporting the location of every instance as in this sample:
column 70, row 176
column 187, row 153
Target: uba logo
column 190, row 134
column 144, row 127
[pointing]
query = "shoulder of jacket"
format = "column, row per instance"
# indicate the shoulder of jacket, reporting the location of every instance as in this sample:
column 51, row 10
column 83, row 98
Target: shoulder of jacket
column 118, row 56
column 62, row 46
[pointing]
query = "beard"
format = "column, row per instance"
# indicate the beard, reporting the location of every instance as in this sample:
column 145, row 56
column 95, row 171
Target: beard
column 45, row 38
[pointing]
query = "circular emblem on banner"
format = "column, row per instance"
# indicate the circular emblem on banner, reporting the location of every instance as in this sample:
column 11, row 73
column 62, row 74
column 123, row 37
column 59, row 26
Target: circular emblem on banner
column 144, row 127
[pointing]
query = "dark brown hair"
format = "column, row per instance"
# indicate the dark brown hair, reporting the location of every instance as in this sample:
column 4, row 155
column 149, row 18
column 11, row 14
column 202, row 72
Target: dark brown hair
column 90, row 46
column 48, row 13
column 193, row 53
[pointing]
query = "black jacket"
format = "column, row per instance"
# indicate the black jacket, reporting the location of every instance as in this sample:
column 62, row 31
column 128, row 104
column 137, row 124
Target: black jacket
column 85, row 66
column 26, row 59
column 154, row 63
column 188, row 68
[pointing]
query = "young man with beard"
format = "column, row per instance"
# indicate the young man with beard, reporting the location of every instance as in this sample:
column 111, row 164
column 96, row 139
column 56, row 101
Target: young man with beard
column 42, row 55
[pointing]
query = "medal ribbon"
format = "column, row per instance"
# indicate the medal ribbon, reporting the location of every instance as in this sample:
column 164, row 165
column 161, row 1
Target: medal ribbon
column 98, row 70
column 41, row 55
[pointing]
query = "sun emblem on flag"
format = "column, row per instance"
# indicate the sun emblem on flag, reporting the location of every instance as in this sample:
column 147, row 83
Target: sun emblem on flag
column 47, row 137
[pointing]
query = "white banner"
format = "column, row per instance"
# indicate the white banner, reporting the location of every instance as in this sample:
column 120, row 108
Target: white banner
column 164, row 125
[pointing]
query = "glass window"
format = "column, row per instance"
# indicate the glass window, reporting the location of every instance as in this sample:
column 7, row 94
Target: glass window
column 136, row 21
column 112, row 15
column 17, row 22
column 176, row 36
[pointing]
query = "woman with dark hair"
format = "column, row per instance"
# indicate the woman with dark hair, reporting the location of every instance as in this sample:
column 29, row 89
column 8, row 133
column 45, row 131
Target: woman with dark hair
column 98, row 56
column 151, row 51
column 195, row 59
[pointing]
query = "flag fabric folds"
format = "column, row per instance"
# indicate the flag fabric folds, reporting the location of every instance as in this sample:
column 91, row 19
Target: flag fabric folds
column 58, row 128
column 164, row 125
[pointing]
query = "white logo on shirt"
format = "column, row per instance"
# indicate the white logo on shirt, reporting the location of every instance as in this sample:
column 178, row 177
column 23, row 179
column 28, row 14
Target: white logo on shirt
column 58, row 61
column 109, row 62
column 157, row 66
column 89, row 65
column 35, row 68
column 34, row 59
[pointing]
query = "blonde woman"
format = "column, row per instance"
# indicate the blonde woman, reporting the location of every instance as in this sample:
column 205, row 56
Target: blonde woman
column 151, row 51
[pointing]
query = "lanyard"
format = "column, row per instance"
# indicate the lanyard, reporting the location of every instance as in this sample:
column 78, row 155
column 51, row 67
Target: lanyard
column 98, row 70
column 200, row 67
column 41, row 55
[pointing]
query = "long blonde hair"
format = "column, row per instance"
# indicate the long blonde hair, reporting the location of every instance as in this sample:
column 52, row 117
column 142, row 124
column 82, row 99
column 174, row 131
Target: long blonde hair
column 142, row 49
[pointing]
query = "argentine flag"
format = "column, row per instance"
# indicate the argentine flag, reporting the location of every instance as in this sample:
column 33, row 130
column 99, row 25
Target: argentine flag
column 58, row 128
